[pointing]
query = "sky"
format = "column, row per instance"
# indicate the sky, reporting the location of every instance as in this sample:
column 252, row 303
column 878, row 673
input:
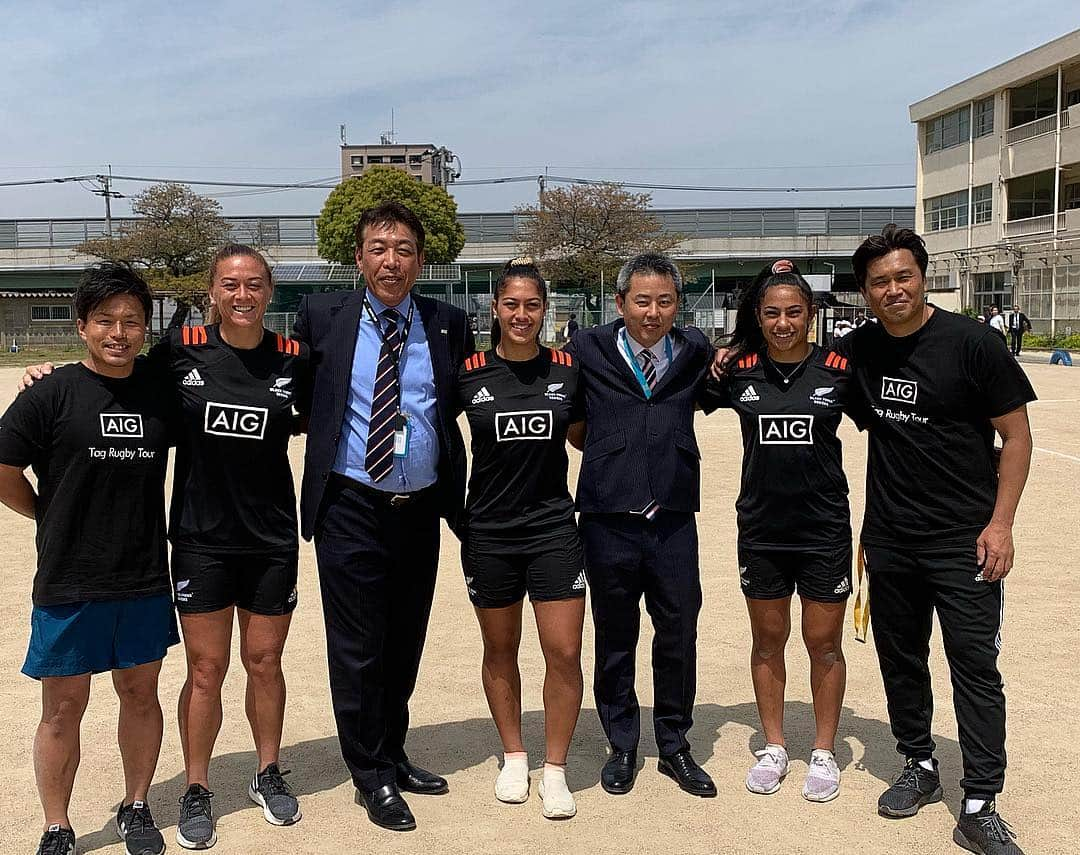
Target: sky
column 749, row 94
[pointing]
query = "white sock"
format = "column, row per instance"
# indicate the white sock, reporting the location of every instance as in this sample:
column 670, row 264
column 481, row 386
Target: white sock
column 973, row 805
column 927, row 764
column 512, row 785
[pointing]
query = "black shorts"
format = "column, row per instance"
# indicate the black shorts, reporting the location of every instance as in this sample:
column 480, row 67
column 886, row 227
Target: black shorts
column 499, row 570
column 822, row 575
column 263, row 584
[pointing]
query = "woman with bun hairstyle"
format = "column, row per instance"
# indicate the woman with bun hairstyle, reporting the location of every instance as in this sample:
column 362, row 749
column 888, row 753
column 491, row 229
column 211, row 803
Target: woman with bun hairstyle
column 519, row 533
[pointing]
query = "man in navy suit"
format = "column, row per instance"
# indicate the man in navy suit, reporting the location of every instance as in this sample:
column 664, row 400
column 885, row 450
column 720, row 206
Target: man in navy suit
column 385, row 459
column 637, row 494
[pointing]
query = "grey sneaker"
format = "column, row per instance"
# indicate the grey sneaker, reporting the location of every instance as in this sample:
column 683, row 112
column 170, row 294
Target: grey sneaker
column 136, row 827
column 765, row 776
column 986, row 833
column 823, row 778
column 57, row 841
column 195, row 828
column 269, row 790
column 914, row 787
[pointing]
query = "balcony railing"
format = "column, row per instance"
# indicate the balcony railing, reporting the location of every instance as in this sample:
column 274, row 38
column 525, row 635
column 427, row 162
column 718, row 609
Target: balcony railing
column 1045, row 125
column 1033, row 225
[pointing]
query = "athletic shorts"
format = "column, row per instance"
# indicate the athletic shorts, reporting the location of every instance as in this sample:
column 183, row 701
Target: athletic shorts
column 499, row 571
column 263, row 584
column 822, row 575
column 106, row 635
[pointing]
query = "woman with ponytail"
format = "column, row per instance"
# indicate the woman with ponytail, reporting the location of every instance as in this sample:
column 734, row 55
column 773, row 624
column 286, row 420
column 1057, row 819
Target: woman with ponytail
column 793, row 518
column 519, row 534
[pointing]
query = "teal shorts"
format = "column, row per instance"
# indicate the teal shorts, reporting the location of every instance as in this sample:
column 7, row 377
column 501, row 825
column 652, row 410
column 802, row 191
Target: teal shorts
column 91, row 638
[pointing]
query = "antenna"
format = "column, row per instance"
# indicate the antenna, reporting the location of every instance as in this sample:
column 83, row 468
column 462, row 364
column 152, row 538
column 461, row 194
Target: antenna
column 343, row 140
column 389, row 137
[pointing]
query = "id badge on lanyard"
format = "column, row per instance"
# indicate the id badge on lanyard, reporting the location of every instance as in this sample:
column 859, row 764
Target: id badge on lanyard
column 402, row 427
column 402, row 432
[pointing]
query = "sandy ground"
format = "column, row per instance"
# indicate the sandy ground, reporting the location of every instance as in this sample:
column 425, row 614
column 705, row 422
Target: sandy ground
column 453, row 735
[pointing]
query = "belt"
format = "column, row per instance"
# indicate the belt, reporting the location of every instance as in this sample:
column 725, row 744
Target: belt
column 383, row 497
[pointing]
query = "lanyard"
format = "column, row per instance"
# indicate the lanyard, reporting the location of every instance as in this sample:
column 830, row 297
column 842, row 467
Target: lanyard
column 395, row 353
column 635, row 366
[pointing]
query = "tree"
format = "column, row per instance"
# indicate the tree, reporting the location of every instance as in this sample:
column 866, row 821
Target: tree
column 582, row 230
column 175, row 236
column 435, row 207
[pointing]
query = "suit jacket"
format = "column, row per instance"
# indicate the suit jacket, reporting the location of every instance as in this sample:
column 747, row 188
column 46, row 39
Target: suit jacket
column 639, row 449
column 329, row 324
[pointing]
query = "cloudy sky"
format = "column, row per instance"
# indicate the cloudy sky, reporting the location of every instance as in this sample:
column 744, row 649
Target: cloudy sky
column 702, row 93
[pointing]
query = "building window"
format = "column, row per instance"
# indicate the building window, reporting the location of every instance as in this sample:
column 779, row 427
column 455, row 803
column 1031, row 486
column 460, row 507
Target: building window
column 357, row 160
column 1072, row 197
column 1033, row 101
column 992, row 289
column 1031, row 196
column 983, row 122
column 946, row 212
column 416, row 158
column 982, row 204
column 949, row 130
column 50, row 313
column 397, row 158
column 939, row 283
column 374, row 158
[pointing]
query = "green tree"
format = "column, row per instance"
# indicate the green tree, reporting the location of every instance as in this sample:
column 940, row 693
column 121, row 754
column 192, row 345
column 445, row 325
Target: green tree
column 175, row 236
column 435, row 207
column 582, row 230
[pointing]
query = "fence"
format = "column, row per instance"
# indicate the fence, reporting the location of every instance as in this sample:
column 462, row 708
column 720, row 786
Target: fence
column 35, row 338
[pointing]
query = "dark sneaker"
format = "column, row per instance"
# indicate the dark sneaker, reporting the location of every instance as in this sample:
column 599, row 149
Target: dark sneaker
column 270, row 792
column 137, row 829
column 195, row 828
column 914, row 787
column 57, row 841
column 986, row 833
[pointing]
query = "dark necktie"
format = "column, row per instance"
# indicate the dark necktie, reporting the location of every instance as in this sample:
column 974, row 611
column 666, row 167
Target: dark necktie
column 385, row 399
column 647, row 368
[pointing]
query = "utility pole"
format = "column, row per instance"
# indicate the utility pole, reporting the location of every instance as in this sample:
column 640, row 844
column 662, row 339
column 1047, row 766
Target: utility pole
column 107, row 192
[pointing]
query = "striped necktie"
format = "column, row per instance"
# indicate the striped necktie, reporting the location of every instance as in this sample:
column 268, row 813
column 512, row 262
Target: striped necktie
column 385, row 400
column 647, row 368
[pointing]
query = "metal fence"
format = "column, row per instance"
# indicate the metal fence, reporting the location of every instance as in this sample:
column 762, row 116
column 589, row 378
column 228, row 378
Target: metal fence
column 36, row 338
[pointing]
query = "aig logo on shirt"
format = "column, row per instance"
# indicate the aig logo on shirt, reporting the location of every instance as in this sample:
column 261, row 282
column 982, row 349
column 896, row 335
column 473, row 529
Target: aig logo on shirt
column 786, row 430
column 526, row 424
column 901, row 391
column 127, row 426
column 236, row 421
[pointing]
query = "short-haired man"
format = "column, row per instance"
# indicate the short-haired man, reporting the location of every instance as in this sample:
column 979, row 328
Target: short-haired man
column 937, row 534
column 385, row 459
column 97, row 438
column 637, row 493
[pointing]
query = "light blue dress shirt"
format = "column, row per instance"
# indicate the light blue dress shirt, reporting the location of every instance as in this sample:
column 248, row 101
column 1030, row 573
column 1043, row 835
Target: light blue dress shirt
column 658, row 352
column 417, row 469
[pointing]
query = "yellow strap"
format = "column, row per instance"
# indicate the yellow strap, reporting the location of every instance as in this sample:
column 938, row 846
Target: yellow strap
column 862, row 599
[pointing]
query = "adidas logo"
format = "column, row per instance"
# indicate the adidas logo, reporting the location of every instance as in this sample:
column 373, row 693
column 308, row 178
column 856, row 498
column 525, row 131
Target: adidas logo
column 843, row 587
column 192, row 378
column 749, row 395
column 483, row 396
column 579, row 582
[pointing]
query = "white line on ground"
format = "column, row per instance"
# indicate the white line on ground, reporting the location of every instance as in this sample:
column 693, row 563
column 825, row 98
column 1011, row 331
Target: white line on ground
column 1058, row 454
column 1056, row 401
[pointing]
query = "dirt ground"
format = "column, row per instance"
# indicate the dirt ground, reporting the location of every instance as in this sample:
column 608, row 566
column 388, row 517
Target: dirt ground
column 452, row 733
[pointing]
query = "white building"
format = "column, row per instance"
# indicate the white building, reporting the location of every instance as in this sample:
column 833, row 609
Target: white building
column 998, row 187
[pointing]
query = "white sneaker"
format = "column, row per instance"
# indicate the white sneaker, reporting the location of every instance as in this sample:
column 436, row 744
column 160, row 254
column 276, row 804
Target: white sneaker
column 765, row 776
column 558, row 800
column 823, row 779
column 512, row 785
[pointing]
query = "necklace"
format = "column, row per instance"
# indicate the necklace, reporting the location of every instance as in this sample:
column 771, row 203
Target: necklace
column 786, row 377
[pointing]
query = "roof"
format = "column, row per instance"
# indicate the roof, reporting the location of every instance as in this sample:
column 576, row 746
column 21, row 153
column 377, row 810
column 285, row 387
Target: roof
column 1027, row 66
column 64, row 295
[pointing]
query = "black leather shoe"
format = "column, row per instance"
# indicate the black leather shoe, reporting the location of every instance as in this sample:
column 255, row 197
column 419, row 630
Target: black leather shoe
column 687, row 774
column 617, row 776
column 413, row 779
column 386, row 808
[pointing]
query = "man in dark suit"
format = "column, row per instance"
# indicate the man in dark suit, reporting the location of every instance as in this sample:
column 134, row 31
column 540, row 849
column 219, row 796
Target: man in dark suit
column 385, row 459
column 637, row 493
column 1018, row 324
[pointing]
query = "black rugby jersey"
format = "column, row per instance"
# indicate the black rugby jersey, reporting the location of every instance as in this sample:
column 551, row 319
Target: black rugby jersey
column 519, row 413
column 927, row 400
column 794, row 494
column 99, row 447
column 233, row 486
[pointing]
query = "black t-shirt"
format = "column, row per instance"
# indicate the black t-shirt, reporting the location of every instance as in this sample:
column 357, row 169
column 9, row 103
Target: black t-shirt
column 794, row 494
column 518, row 415
column 233, row 486
column 927, row 400
column 99, row 447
